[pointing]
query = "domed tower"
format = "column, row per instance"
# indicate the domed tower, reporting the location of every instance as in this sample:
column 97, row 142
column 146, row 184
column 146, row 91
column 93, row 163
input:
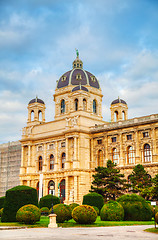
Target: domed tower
column 36, row 112
column 119, row 110
column 78, row 93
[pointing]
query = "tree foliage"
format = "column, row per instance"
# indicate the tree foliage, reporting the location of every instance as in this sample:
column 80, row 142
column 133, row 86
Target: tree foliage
column 155, row 187
column 141, row 181
column 108, row 181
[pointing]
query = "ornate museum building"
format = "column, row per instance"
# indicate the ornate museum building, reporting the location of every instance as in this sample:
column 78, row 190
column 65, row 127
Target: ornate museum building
column 60, row 156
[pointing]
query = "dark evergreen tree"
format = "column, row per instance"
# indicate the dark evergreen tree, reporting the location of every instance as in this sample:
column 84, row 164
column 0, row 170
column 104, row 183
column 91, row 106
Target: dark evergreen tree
column 155, row 187
column 140, row 181
column 108, row 181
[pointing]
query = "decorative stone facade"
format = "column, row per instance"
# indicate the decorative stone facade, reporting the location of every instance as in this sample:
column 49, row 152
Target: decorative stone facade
column 64, row 153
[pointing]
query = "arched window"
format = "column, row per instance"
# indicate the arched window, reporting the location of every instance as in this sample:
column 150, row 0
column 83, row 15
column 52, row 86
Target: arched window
column 51, row 187
column 62, row 106
column 116, row 116
column 76, row 104
column 51, row 162
column 130, row 155
column 40, row 115
column 115, row 156
column 100, row 158
column 63, row 160
column 94, row 106
column 40, row 163
column 32, row 115
column 147, row 153
column 84, row 104
column 62, row 190
column 123, row 115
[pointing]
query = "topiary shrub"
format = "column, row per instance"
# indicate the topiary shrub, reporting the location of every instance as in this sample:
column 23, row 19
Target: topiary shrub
column 1, row 211
column 96, row 209
column 72, row 206
column 84, row 214
column 63, row 212
column 44, row 211
column 2, row 202
column 135, row 208
column 112, row 211
column 29, row 214
column 46, row 201
column 93, row 199
column 16, row 198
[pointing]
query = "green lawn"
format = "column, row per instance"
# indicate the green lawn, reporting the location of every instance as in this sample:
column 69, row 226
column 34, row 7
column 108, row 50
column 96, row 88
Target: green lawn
column 44, row 221
column 153, row 230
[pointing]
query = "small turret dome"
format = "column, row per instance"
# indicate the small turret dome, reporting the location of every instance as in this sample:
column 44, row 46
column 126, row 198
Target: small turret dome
column 36, row 100
column 118, row 100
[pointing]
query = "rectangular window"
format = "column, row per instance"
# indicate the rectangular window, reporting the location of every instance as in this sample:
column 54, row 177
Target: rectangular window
column 145, row 134
column 63, row 144
column 113, row 139
column 129, row 137
column 51, row 146
column 39, row 148
column 99, row 141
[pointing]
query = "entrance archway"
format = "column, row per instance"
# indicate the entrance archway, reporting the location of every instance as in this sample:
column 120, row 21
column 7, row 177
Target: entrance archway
column 51, row 187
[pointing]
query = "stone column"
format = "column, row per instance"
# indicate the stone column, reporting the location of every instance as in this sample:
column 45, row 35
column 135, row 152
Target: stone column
column 75, row 152
column 67, row 162
column 56, row 187
column 22, row 156
column 66, row 190
column 22, row 168
column 29, row 183
column 29, row 160
column 56, row 164
column 137, row 155
column 121, row 162
column 106, row 151
column 92, row 165
column 45, row 187
column 44, row 169
column 75, row 188
column 154, row 141
column 29, row 156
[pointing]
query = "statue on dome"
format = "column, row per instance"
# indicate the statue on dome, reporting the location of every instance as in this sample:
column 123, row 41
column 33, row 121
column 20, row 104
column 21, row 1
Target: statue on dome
column 77, row 52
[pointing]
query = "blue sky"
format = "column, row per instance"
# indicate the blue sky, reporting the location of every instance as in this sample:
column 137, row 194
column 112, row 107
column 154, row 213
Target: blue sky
column 117, row 42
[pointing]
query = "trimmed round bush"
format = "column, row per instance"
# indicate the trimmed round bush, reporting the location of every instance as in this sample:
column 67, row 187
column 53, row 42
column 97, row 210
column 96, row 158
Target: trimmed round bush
column 1, row 211
column 84, row 214
column 16, row 198
column 135, row 208
column 28, row 214
column 93, row 199
column 44, row 211
column 72, row 206
column 46, row 201
column 63, row 212
column 26, row 217
column 112, row 211
column 2, row 202
column 96, row 209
